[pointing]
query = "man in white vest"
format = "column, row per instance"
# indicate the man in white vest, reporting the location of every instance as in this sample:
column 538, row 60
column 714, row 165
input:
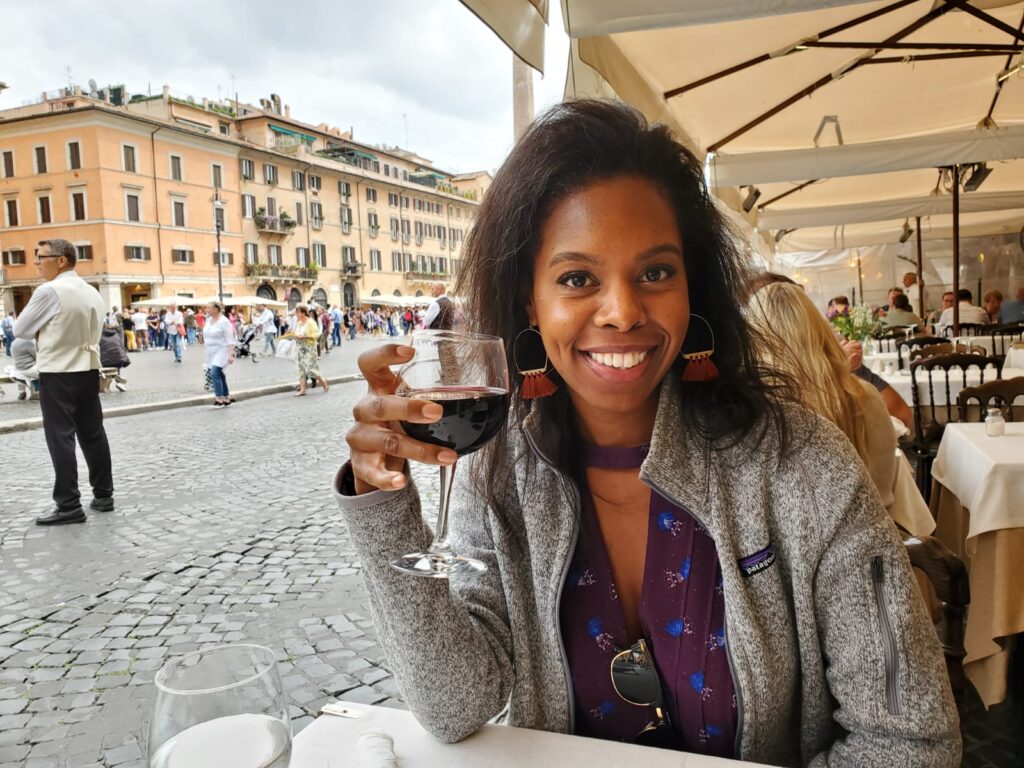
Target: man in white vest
column 65, row 317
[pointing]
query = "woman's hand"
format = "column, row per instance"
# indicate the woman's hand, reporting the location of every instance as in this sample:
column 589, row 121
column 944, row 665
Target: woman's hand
column 378, row 447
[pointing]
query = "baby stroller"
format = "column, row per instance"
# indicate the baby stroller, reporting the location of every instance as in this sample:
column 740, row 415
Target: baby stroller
column 242, row 346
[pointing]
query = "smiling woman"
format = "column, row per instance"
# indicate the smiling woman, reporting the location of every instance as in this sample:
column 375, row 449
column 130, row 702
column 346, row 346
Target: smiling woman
column 640, row 518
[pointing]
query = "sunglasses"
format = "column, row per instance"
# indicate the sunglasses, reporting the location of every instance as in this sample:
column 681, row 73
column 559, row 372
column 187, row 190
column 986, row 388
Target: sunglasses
column 635, row 679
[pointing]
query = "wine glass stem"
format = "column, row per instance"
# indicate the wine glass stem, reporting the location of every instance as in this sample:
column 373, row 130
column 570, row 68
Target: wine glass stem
column 440, row 545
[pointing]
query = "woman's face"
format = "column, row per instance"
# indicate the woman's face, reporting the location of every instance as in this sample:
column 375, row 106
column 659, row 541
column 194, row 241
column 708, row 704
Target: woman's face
column 212, row 310
column 610, row 294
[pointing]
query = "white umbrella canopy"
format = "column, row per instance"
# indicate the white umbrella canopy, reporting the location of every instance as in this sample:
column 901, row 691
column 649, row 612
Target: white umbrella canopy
column 253, row 301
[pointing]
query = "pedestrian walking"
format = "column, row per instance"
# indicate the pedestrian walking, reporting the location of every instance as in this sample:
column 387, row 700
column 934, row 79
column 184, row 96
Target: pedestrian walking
column 190, row 327
column 65, row 317
column 140, row 322
column 8, row 328
column 265, row 319
column 305, row 334
column 324, row 320
column 200, row 323
column 219, row 336
column 336, row 326
column 129, row 330
column 174, row 327
column 113, row 353
column 25, row 372
column 153, row 328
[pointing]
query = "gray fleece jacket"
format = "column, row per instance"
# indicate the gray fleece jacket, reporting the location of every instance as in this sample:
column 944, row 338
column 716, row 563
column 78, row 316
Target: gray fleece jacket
column 833, row 658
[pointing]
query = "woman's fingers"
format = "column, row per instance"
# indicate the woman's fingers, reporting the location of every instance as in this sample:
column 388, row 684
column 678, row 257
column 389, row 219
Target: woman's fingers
column 374, row 439
column 371, row 471
column 382, row 408
column 375, row 365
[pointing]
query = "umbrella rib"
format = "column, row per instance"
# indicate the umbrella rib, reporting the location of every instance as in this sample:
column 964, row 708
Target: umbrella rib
column 1001, row 83
column 787, row 193
column 992, row 21
column 766, row 56
column 832, row 76
column 991, row 47
column 912, row 59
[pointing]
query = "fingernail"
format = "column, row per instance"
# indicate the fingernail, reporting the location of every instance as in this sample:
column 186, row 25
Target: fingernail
column 433, row 411
column 407, row 351
column 447, row 457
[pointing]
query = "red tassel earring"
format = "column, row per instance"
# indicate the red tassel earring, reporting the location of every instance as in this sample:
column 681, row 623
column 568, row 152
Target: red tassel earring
column 536, row 382
column 699, row 365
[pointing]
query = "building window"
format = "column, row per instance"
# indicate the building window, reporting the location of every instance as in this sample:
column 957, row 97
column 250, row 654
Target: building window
column 131, row 204
column 248, row 206
column 78, row 209
column 299, row 215
column 271, row 206
column 11, row 212
column 375, row 260
column 15, row 257
column 252, row 253
column 128, row 158
column 74, row 156
column 371, row 220
column 394, row 228
column 316, row 215
column 218, row 176
column 320, row 254
column 269, row 173
column 371, row 195
column 346, row 219
column 396, row 261
column 83, row 252
column 315, row 182
column 348, row 255
column 344, row 189
column 393, row 199
column 274, row 254
column 442, row 265
column 43, row 206
column 387, row 169
column 176, row 168
column 405, row 201
column 226, row 258
column 178, row 209
column 302, row 256
column 298, row 181
column 183, row 256
column 407, row 258
column 225, row 128
column 39, row 155
column 248, row 169
column 8, row 163
column 136, row 253
column 218, row 218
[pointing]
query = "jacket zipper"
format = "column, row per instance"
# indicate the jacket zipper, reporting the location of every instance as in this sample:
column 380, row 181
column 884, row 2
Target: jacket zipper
column 893, row 699
column 737, row 741
column 561, row 580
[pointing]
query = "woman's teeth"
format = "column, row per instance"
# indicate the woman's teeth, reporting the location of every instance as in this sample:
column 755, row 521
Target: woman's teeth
column 617, row 360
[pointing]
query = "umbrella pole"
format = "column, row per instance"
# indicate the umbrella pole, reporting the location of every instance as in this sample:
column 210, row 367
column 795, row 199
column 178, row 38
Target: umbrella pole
column 860, row 279
column 920, row 269
column 956, row 250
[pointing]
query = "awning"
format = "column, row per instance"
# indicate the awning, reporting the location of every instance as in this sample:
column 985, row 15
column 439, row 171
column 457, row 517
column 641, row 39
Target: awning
column 289, row 132
column 519, row 23
column 357, row 153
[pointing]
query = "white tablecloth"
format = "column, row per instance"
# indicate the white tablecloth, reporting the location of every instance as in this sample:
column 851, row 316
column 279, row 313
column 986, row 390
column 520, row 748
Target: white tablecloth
column 330, row 742
column 1015, row 358
column 901, row 382
column 908, row 509
column 985, row 473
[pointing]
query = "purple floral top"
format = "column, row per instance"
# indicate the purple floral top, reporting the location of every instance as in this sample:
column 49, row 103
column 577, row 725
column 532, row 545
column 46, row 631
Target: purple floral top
column 682, row 616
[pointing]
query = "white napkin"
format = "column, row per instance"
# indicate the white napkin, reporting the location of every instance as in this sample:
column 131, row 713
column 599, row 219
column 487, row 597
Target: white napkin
column 376, row 750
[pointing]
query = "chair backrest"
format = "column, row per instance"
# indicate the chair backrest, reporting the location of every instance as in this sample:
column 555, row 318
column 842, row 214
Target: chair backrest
column 917, row 341
column 970, row 349
column 923, row 370
column 931, row 350
column 888, row 339
column 1004, row 335
column 1001, row 392
column 967, row 329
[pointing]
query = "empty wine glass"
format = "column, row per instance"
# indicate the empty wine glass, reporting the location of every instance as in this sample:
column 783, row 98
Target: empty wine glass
column 220, row 707
column 466, row 374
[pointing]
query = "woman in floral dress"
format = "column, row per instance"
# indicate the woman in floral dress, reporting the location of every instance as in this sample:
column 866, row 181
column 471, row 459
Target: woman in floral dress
column 305, row 334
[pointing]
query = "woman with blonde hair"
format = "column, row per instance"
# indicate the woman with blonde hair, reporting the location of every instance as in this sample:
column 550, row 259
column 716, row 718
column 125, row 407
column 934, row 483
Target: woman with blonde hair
column 797, row 341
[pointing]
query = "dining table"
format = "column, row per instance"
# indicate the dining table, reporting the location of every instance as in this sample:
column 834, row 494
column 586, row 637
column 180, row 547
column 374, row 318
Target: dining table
column 978, row 503
column 1015, row 355
column 333, row 741
column 901, row 382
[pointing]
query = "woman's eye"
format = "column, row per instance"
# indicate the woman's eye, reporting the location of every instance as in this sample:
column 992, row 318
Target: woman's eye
column 575, row 280
column 655, row 274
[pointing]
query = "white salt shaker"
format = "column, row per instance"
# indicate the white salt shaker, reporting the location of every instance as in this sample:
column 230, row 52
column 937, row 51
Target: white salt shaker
column 995, row 424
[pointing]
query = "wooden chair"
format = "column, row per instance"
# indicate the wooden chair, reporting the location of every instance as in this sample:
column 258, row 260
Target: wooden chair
column 1002, row 392
column 888, row 339
column 1004, row 335
column 932, row 350
column 967, row 329
column 947, row 575
column 914, row 342
column 930, row 418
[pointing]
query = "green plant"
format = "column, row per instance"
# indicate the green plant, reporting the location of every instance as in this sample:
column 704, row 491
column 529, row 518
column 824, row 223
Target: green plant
column 858, row 324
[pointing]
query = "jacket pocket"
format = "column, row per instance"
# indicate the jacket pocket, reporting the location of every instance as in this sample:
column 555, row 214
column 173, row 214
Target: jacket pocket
column 893, row 697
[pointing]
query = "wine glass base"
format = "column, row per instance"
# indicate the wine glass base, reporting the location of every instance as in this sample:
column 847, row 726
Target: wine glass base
column 433, row 565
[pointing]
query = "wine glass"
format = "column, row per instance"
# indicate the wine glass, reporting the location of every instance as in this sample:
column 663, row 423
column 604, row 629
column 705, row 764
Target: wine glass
column 220, row 707
column 466, row 374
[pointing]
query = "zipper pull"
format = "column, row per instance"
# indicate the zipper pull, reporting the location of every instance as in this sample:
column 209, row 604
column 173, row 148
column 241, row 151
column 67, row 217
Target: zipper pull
column 876, row 569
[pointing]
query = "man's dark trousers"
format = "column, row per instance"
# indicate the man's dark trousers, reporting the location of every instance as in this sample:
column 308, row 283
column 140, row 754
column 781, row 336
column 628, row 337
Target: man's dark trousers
column 70, row 404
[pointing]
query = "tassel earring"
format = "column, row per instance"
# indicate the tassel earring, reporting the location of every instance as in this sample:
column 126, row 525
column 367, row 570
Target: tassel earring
column 536, row 382
column 699, row 365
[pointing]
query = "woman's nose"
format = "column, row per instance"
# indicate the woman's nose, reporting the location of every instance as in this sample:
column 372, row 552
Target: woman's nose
column 621, row 307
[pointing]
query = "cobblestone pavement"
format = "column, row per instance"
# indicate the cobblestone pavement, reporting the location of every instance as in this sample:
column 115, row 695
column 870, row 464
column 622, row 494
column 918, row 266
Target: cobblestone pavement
column 222, row 532
column 154, row 376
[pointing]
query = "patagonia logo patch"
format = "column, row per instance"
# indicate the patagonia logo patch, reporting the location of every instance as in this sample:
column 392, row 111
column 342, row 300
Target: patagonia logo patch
column 757, row 562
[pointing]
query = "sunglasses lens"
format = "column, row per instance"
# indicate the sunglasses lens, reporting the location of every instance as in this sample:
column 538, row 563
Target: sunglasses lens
column 635, row 678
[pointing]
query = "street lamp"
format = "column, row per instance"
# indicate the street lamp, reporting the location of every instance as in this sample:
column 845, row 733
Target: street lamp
column 218, row 221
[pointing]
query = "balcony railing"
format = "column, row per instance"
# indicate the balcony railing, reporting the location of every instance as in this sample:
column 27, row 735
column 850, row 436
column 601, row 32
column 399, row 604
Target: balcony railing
column 426, row 276
column 275, row 225
column 284, row 272
column 353, row 269
column 317, row 222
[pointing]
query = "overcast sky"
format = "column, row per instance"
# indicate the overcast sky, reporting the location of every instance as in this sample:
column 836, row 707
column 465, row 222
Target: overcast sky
column 350, row 63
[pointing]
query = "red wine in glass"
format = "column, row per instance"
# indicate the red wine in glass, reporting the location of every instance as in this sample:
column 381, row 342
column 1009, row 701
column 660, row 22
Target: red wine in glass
column 471, row 417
